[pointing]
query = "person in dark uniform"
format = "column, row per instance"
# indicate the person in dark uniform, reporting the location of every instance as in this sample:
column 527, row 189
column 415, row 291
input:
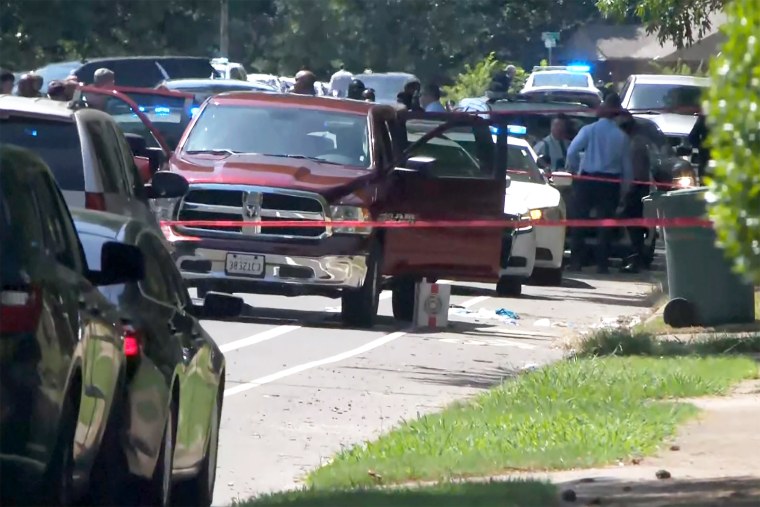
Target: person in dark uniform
column 410, row 96
column 633, row 206
column 356, row 90
column 697, row 138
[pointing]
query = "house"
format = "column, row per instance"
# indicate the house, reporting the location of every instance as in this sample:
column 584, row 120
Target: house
column 617, row 51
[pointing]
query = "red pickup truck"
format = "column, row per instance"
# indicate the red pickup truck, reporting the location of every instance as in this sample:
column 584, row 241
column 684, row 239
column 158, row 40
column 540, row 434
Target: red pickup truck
column 260, row 158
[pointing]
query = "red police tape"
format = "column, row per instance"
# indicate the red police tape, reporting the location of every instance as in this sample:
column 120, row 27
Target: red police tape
column 448, row 224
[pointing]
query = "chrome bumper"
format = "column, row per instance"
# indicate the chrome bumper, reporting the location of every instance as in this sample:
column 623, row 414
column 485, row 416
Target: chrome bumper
column 330, row 271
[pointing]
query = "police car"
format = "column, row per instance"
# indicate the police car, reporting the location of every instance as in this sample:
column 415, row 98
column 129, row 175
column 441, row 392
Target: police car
column 572, row 83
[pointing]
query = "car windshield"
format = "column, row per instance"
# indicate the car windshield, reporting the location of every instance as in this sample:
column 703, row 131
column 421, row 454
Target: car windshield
column 560, row 79
column 170, row 115
column 55, row 142
column 665, row 96
column 386, row 87
column 325, row 136
column 521, row 166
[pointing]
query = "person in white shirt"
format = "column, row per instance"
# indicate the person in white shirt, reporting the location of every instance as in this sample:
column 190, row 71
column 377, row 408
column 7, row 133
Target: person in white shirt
column 339, row 82
column 430, row 99
column 555, row 145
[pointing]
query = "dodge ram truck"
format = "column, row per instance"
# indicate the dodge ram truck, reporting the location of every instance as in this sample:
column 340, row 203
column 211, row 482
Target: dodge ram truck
column 256, row 159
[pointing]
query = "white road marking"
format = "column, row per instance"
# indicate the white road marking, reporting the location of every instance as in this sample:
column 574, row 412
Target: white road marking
column 474, row 301
column 258, row 338
column 379, row 342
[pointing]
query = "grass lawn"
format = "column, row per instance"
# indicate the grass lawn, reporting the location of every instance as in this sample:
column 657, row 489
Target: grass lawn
column 576, row 413
column 501, row 494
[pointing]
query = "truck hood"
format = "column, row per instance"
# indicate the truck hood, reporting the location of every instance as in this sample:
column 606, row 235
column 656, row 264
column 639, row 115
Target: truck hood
column 672, row 124
column 328, row 180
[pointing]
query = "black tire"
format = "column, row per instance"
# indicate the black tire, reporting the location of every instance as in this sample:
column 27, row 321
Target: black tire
column 403, row 300
column 199, row 491
column 359, row 306
column 509, row 287
column 547, row 276
column 58, row 482
column 158, row 491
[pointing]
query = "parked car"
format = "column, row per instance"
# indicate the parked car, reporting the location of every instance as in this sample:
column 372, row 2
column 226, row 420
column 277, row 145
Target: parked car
column 88, row 154
column 201, row 89
column 317, row 159
column 63, row 360
column 672, row 102
column 137, row 71
column 569, row 80
column 387, row 85
column 226, row 69
column 175, row 377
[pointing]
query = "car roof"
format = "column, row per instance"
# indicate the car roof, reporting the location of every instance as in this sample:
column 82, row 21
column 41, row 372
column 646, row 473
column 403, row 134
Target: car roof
column 40, row 106
column 670, row 79
column 318, row 102
column 219, row 83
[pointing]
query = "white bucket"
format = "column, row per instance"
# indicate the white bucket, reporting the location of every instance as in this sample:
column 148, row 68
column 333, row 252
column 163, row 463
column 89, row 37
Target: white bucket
column 431, row 304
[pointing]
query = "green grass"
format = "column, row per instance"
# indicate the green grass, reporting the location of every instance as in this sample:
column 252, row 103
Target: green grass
column 577, row 413
column 501, row 494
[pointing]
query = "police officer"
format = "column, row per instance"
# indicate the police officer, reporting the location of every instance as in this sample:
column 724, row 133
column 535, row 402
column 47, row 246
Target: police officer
column 356, row 90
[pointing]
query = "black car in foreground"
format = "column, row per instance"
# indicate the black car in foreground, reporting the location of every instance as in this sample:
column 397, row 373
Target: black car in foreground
column 175, row 371
column 63, row 348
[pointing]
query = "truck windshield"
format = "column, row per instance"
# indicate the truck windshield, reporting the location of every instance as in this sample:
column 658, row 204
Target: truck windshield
column 324, row 136
column 665, row 96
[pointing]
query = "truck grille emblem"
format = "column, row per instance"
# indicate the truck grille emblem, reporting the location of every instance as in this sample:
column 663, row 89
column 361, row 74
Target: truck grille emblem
column 252, row 211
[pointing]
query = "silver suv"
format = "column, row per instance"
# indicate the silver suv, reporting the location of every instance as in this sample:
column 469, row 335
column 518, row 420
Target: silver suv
column 88, row 154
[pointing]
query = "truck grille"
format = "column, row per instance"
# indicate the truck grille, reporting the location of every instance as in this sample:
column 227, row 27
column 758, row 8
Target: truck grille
column 242, row 203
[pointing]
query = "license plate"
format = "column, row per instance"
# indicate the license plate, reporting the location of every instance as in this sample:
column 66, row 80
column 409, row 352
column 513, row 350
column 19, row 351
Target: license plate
column 246, row 265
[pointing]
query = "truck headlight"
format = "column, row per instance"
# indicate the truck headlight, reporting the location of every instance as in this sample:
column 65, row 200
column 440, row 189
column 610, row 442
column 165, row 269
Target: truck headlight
column 350, row 214
column 552, row 214
column 165, row 209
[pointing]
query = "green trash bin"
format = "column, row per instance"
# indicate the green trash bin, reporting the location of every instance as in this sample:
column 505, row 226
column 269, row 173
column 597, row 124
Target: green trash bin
column 703, row 289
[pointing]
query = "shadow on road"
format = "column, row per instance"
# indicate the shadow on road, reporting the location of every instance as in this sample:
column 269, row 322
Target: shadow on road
column 729, row 491
column 483, row 379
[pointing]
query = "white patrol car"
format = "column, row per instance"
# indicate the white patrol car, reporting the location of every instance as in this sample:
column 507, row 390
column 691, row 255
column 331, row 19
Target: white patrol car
column 568, row 83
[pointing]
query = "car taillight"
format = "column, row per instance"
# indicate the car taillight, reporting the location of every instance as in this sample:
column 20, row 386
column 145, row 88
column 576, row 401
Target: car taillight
column 20, row 309
column 95, row 201
column 132, row 342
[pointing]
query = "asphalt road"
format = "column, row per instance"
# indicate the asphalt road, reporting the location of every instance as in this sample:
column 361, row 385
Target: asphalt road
column 300, row 387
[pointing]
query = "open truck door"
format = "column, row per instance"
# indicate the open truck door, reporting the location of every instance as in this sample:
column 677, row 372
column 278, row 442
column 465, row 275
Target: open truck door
column 434, row 178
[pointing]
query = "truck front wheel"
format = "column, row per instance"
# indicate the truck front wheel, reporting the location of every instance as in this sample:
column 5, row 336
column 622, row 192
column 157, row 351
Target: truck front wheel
column 358, row 307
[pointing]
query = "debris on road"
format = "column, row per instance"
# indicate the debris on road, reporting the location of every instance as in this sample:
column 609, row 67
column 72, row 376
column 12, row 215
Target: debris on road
column 502, row 315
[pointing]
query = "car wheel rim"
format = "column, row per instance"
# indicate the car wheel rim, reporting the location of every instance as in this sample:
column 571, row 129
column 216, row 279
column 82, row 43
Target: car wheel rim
column 166, row 480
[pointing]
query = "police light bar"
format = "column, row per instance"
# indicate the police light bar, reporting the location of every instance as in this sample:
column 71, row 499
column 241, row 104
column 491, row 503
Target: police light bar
column 577, row 67
column 515, row 130
column 194, row 111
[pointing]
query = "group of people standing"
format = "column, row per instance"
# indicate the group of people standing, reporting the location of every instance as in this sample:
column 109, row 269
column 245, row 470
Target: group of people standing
column 31, row 84
column 612, row 178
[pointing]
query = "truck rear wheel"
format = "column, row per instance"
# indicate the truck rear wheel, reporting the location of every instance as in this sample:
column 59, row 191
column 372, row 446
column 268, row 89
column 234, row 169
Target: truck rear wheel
column 509, row 287
column 358, row 307
column 403, row 300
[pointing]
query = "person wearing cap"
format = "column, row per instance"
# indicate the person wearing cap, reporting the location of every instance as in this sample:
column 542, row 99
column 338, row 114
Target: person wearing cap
column 430, row 99
column 607, row 155
column 305, row 80
column 356, row 90
column 57, row 90
column 340, row 82
column 369, row 95
column 104, row 78
column 7, row 80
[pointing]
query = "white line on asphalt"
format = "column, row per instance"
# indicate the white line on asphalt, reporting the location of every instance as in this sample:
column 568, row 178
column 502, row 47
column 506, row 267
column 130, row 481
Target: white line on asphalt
column 314, row 364
column 258, row 338
column 474, row 301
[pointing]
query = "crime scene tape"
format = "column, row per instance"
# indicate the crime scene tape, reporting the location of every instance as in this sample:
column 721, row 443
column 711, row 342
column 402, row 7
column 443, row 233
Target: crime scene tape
column 450, row 224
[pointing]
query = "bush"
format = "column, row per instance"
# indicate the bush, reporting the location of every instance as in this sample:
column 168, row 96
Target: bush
column 733, row 116
column 474, row 81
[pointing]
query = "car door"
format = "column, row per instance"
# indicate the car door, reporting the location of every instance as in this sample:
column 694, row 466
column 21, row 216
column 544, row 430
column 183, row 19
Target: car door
column 199, row 382
column 458, row 187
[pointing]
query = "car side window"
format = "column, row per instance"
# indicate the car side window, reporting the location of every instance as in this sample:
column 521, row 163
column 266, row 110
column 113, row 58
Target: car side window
column 153, row 284
column 108, row 157
column 131, row 177
column 175, row 287
column 459, row 152
column 59, row 235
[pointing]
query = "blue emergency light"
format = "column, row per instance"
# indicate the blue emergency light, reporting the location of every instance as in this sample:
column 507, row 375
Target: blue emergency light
column 515, row 130
column 578, row 67
column 194, row 111
column 162, row 110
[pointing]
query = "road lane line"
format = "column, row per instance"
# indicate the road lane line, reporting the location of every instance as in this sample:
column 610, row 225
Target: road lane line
column 379, row 342
column 258, row 338
column 474, row 301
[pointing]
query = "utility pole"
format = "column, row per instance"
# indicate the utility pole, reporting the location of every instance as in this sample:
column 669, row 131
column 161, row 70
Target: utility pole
column 224, row 33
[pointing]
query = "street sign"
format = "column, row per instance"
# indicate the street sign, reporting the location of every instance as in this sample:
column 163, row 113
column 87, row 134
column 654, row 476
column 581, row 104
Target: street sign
column 550, row 43
column 553, row 36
